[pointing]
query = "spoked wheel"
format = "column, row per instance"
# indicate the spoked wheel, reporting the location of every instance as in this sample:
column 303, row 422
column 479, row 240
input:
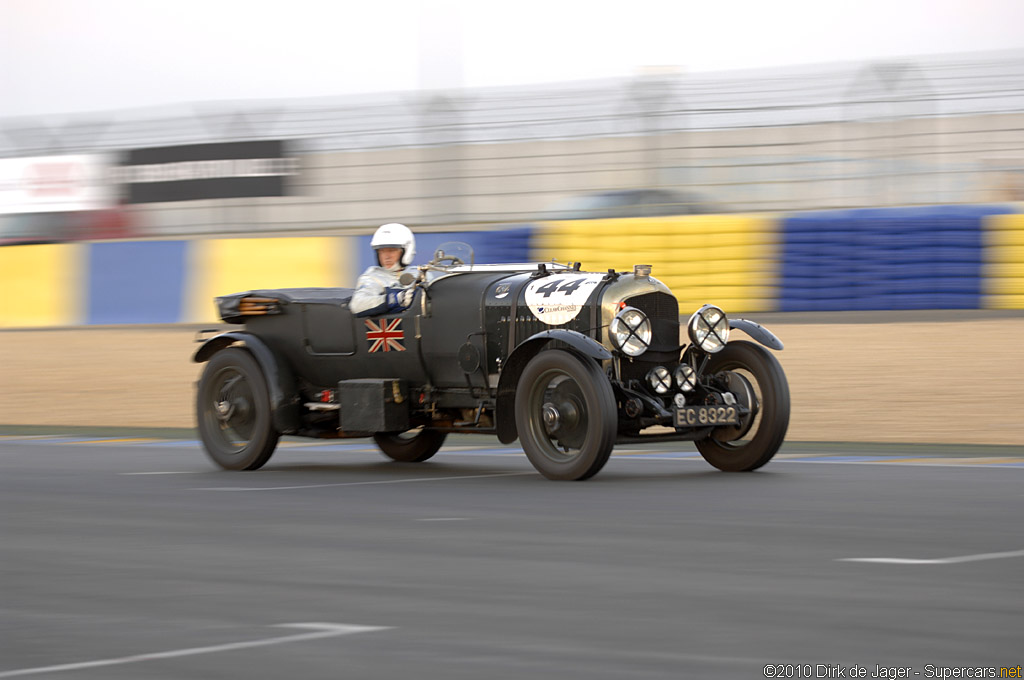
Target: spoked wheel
column 233, row 411
column 759, row 384
column 414, row 446
column 565, row 415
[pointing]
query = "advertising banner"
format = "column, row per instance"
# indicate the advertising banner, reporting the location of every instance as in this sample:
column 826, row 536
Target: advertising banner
column 55, row 184
column 206, row 171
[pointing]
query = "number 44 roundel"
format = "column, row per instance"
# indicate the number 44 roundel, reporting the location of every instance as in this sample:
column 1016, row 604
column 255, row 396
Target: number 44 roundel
column 556, row 299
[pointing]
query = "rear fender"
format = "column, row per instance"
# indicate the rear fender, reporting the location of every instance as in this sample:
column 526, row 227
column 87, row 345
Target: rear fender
column 583, row 346
column 281, row 383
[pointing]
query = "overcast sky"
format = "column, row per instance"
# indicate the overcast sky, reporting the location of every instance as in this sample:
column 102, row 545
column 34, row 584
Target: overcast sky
column 65, row 56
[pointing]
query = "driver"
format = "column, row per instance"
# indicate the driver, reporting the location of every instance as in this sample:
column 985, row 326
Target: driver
column 378, row 290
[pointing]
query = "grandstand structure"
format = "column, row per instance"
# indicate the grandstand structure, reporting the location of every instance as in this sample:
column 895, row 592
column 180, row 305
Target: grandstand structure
column 945, row 129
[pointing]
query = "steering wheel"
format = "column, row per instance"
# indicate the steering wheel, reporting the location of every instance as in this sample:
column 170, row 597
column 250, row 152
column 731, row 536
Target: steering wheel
column 441, row 257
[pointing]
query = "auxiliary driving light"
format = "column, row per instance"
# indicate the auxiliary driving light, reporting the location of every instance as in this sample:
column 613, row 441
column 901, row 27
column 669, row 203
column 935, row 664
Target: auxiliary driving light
column 686, row 378
column 660, row 380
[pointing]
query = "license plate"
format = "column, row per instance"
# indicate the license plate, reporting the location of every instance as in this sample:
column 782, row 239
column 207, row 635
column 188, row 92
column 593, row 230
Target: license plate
column 706, row 416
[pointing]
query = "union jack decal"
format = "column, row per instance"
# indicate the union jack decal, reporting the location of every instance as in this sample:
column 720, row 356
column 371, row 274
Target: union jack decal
column 385, row 336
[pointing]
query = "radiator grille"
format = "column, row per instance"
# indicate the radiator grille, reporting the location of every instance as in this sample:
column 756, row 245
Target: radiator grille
column 656, row 306
column 663, row 311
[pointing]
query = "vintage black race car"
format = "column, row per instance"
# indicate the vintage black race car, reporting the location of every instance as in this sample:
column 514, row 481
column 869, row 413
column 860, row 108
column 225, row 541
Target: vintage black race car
column 567, row 361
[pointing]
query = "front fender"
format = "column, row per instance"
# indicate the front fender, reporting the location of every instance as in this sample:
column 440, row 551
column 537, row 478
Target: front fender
column 281, row 384
column 585, row 346
column 757, row 332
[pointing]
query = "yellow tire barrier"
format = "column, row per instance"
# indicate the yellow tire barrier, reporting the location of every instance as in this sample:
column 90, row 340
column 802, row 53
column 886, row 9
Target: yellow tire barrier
column 42, row 285
column 1003, row 272
column 729, row 260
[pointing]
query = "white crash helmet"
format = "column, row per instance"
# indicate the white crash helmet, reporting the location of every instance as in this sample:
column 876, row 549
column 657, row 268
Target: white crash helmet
column 394, row 235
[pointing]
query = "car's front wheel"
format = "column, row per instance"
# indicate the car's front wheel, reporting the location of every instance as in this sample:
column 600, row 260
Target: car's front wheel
column 233, row 411
column 565, row 415
column 414, row 446
column 757, row 381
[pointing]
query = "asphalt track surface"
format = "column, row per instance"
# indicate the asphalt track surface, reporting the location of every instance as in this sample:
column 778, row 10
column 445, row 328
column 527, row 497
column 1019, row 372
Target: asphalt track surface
column 138, row 559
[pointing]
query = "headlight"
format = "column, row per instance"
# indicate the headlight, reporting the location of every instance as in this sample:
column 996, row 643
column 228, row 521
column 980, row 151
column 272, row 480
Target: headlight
column 631, row 331
column 686, row 378
column 660, row 380
column 708, row 328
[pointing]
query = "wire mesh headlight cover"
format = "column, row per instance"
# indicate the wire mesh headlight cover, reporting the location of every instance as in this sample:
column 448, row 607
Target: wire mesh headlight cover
column 708, row 328
column 630, row 331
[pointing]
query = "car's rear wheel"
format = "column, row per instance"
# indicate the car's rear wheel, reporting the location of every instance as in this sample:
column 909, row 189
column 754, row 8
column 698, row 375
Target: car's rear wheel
column 414, row 446
column 565, row 415
column 759, row 384
column 233, row 411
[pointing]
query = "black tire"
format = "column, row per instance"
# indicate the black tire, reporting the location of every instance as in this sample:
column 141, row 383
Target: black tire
column 565, row 415
column 760, row 381
column 233, row 411
column 414, row 446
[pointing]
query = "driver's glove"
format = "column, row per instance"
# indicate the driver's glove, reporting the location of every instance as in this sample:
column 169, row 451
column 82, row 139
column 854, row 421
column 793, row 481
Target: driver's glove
column 399, row 298
column 406, row 295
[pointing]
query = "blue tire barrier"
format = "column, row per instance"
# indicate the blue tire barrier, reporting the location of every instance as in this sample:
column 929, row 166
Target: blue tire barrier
column 888, row 258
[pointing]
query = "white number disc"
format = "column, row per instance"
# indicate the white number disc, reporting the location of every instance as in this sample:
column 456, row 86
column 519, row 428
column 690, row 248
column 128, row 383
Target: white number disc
column 558, row 298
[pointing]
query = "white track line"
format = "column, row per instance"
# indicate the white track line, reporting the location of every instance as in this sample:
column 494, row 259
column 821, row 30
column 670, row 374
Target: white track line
column 380, row 481
column 941, row 560
column 906, row 463
column 879, row 461
column 323, row 630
